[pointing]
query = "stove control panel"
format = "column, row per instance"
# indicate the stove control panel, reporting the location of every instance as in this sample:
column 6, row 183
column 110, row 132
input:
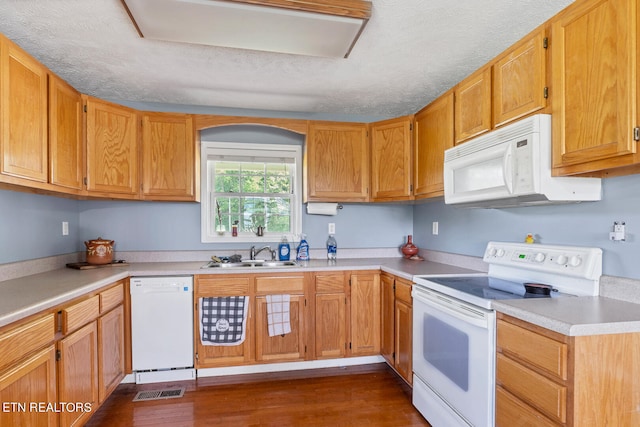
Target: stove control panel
column 574, row 261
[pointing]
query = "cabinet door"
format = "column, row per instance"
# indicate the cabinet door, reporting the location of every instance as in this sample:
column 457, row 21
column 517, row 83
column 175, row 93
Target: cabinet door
column 365, row 314
column 110, row 352
column 519, row 80
column 337, row 162
column 433, row 135
column 168, row 157
column 473, row 105
column 287, row 347
column 387, row 283
column 112, row 149
column 404, row 329
column 33, row 381
column 23, row 114
column 66, row 145
column 594, row 62
column 391, row 177
column 403, row 340
column 78, row 372
column 331, row 324
column 210, row 356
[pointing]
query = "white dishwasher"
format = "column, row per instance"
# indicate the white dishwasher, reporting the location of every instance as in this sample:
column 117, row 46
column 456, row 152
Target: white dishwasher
column 162, row 328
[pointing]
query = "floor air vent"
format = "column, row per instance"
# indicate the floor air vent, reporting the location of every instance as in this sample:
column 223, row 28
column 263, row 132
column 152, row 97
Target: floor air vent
column 159, row 394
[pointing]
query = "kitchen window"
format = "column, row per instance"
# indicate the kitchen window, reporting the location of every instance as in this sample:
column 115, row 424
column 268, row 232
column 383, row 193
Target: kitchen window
column 249, row 186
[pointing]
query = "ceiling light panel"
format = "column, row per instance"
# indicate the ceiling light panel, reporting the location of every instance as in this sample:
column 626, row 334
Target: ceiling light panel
column 245, row 26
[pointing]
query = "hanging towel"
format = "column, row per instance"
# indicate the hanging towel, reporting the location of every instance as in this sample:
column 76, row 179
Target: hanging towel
column 223, row 320
column 278, row 314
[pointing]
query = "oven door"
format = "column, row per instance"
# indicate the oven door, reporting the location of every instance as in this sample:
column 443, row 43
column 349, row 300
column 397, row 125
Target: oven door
column 453, row 359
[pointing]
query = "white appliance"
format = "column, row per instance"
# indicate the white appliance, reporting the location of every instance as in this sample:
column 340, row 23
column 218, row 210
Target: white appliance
column 454, row 325
column 511, row 167
column 162, row 328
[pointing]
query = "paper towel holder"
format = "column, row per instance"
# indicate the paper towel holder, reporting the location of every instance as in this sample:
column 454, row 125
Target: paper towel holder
column 323, row 208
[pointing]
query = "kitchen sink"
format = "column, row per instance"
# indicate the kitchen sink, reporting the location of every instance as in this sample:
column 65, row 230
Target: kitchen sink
column 257, row 263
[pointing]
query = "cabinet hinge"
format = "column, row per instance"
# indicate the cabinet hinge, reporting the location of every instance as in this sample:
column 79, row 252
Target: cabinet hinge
column 411, row 187
column 349, row 346
column 305, row 349
column 636, row 134
column 305, row 304
column 197, row 356
column 85, row 180
column 58, row 355
column 393, row 355
column 410, row 126
column 349, row 281
column 545, row 42
column 546, row 92
column 84, row 108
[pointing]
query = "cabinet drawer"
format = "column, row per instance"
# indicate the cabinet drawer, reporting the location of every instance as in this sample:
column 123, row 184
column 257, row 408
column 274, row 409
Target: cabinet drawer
column 22, row 340
column 111, row 298
column 283, row 285
column 329, row 283
column 533, row 388
column 80, row 314
column 534, row 349
column 403, row 291
column 222, row 286
column 512, row 412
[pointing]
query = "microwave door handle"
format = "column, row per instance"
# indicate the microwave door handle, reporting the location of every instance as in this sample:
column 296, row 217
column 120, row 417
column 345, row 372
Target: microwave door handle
column 507, row 170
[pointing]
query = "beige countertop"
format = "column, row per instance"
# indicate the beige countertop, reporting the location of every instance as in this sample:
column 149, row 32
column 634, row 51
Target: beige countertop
column 24, row 296
column 575, row 316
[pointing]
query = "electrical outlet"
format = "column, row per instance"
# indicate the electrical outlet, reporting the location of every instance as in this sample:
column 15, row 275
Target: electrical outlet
column 65, row 228
column 618, row 233
column 332, row 228
column 434, row 228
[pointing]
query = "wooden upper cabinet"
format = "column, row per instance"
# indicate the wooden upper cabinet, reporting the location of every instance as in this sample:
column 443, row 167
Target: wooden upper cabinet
column 23, row 114
column 519, row 78
column 433, row 134
column 112, row 149
column 594, row 63
column 337, row 156
column 391, row 177
column 168, row 157
column 66, row 143
column 473, row 105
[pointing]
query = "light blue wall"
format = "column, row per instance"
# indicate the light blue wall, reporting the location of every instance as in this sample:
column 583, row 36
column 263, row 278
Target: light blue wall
column 467, row 231
column 31, row 226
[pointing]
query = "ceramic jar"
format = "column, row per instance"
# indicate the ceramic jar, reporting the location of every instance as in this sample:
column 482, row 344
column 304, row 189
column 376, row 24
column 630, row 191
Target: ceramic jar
column 99, row 251
column 409, row 249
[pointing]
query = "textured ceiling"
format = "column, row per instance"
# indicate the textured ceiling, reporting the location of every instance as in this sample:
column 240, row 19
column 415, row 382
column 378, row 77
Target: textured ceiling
column 409, row 53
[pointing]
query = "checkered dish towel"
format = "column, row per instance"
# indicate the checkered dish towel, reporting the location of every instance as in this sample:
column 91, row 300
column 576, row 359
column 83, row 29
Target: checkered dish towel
column 223, row 320
column 278, row 314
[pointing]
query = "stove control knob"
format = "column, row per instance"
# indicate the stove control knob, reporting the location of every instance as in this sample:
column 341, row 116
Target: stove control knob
column 575, row 261
column 562, row 259
column 492, row 251
column 500, row 253
column 539, row 257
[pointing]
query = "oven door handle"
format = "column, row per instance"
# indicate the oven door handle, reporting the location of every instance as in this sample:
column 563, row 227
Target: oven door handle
column 461, row 311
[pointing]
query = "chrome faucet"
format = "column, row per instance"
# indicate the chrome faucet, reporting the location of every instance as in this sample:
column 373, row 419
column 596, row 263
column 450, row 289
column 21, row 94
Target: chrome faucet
column 253, row 252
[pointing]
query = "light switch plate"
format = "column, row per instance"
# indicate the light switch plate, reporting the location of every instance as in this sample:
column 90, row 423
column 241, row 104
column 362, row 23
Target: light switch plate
column 332, row 228
column 434, row 227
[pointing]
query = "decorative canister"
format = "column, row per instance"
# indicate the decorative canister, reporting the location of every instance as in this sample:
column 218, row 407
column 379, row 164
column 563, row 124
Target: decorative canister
column 409, row 249
column 99, row 251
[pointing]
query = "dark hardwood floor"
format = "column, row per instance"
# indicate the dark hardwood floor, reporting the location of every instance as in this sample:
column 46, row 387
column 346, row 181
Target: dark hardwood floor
column 370, row 395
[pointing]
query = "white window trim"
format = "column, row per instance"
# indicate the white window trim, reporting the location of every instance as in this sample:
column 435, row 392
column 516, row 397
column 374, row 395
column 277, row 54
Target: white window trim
column 209, row 147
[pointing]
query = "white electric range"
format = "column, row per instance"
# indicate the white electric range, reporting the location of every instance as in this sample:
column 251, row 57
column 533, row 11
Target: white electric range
column 454, row 324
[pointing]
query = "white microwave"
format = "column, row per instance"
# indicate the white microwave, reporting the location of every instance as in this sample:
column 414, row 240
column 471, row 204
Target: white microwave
column 511, row 167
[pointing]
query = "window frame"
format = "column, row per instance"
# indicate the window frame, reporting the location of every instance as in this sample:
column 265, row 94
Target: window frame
column 209, row 149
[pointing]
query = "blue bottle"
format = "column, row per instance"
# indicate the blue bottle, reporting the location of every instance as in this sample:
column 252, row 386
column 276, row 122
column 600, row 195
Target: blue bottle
column 284, row 250
column 303, row 250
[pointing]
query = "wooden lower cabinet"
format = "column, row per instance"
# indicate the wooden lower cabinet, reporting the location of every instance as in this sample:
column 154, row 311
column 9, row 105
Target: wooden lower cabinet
column 32, row 381
column 111, row 352
column 210, row 356
column 330, row 315
column 78, row 372
column 397, row 324
column 365, row 314
column 544, row 378
column 286, row 347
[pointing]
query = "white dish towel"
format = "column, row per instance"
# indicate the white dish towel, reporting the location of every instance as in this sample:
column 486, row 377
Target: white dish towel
column 278, row 314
